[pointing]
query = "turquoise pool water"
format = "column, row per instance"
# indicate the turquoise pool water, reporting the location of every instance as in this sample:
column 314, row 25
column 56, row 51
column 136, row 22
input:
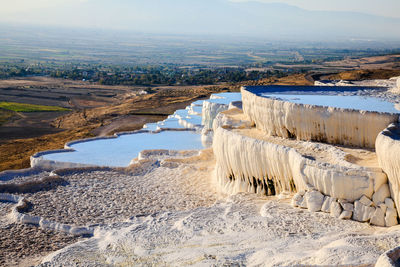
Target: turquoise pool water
column 118, row 152
column 338, row 101
column 225, row 98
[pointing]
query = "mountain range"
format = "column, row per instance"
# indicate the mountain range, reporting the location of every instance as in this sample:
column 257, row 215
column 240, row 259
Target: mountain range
column 218, row 17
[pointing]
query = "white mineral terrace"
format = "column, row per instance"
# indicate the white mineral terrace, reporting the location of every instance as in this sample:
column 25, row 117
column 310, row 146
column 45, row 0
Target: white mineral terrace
column 280, row 160
column 215, row 105
column 265, row 194
column 388, row 83
column 309, row 122
column 249, row 160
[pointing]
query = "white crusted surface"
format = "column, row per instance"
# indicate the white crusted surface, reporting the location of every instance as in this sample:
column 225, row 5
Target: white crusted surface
column 16, row 215
column 5, row 209
column 314, row 200
column 382, row 193
column 345, row 215
column 362, row 213
column 326, row 206
column 389, row 83
column 245, row 157
column 308, row 122
column 244, row 230
column 41, row 162
column 366, row 201
column 348, row 206
column 378, row 218
column 297, row 200
column 110, row 196
column 210, row 111
column 232, row 118
column 336, row 209
column 391, row 217
column 188, row 226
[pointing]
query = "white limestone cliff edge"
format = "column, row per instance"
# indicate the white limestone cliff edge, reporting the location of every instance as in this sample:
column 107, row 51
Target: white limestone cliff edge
column 315, row 123
column 245, row 164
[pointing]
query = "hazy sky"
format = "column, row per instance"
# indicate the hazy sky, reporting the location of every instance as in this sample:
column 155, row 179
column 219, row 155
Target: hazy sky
column 391, row 8
column 301, row 18
column 388, row 8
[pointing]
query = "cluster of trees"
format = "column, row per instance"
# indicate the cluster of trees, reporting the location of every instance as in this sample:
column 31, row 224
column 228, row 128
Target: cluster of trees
column 137, row 75
column 161, row 75
column 8, row 70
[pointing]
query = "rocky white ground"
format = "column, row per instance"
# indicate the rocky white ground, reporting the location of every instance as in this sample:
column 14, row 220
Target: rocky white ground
column 102, row 197
column 168, row 213
column 242, row 230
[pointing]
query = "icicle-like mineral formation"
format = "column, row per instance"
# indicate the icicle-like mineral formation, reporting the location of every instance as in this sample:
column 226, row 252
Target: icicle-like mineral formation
column 210, row 111
column 315, row 123
column 245, row 164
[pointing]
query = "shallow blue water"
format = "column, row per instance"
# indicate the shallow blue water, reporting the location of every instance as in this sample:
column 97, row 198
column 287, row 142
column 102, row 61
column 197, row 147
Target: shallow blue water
column 170, row 123
column 226, row 98
column 294, row 89
column 338, row 101
column 184, row 115
column 197, row 109
column 181, row 113
column 193, row 119
column 151, row 126
column 118, row 152
column 198, row 103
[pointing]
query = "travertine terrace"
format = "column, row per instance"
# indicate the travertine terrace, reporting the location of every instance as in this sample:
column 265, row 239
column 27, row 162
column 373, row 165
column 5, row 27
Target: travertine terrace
column 315, row 123
column 157, row 210
column 291, row 147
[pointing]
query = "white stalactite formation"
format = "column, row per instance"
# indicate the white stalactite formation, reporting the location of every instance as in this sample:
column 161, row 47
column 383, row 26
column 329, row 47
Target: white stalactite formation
column 245, row 164
column 315, row 123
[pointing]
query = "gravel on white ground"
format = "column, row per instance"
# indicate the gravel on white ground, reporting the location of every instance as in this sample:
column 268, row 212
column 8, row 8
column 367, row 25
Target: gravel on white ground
column 90, row 197
column 101, row 197
column 243, row 230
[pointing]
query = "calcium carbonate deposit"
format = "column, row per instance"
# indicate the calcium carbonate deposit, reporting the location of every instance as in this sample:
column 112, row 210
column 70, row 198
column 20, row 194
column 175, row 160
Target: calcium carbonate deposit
column 241, row 230
column 309, row 122
column 285, row 183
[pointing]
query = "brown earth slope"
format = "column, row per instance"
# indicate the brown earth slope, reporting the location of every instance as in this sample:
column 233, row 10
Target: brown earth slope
column 357, row 75
column 128, row 111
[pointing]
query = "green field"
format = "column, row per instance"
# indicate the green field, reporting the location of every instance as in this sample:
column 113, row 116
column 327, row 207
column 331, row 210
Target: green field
column 20, row 107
